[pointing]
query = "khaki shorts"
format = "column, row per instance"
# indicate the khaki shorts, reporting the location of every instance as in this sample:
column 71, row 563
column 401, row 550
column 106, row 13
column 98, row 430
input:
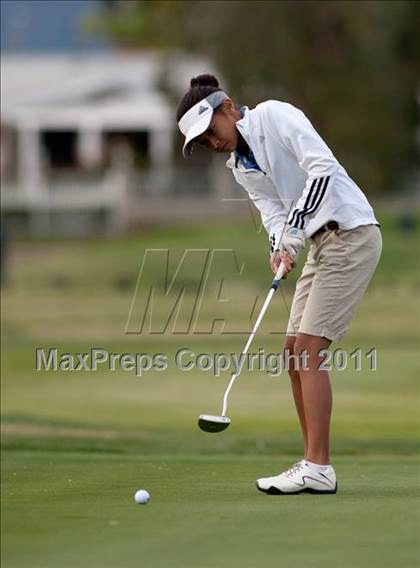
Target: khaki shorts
column 334, row 279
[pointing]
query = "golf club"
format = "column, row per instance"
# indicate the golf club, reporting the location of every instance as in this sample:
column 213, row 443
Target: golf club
column 214, row 423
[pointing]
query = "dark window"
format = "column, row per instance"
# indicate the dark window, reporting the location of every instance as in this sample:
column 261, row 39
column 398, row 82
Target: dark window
column 60, row 148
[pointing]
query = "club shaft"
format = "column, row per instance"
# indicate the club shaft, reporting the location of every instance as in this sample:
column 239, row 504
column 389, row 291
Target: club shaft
column 273, row 288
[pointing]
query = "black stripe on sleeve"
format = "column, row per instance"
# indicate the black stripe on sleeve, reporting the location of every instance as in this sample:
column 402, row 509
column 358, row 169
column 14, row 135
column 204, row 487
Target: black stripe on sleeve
column 303, row 212
column 311, row 197
column 315, row 203
column 296, row 211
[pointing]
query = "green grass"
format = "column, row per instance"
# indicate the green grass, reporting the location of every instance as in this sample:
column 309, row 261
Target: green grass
column 72, row 509
column 77, row 445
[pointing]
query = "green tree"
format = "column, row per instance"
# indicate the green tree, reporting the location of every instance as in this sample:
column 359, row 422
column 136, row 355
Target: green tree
column 353, row 67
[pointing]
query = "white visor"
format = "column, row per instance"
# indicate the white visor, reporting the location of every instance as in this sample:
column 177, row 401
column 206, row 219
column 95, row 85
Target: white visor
column 197, row 119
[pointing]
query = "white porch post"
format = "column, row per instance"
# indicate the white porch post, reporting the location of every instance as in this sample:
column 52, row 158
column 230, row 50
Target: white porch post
column 89, row 147
column 161, row 148
column 31, row 180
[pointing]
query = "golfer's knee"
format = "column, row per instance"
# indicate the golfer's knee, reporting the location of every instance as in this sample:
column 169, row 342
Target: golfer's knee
column 289, row 357
column 289, row 343
column 304, row 351
column 308, row 349
column 301, row 345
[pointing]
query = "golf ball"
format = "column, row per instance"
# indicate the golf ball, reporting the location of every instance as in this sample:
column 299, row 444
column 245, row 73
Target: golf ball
column 141, row 497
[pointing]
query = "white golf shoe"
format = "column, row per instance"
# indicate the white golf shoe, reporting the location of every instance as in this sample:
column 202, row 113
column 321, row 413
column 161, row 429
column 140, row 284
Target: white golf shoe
column 300, row 478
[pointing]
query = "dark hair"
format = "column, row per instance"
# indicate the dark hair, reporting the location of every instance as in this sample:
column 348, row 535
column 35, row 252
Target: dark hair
column 200, row 88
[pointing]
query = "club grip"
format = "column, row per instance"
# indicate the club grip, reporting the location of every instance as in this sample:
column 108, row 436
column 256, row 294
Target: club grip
column 279, row 275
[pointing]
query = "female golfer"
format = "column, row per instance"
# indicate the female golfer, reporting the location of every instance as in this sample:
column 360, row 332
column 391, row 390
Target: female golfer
column 302, row 192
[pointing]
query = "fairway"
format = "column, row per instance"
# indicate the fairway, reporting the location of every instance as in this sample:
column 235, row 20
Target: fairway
column 78, row 444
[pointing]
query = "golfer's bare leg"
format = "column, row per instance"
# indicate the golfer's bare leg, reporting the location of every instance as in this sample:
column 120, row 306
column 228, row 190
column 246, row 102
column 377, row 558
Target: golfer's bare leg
column 296, row 387
column 316, row 395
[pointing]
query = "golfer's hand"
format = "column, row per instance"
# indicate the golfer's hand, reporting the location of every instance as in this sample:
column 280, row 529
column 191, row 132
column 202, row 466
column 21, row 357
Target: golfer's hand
column 277, row 257
column 292, row 242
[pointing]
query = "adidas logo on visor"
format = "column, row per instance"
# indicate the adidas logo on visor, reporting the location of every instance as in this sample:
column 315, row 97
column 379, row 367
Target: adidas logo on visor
column 202, row 109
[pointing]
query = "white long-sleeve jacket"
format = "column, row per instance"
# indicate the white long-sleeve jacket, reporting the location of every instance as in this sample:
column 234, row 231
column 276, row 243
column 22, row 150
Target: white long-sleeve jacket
column 301, row 181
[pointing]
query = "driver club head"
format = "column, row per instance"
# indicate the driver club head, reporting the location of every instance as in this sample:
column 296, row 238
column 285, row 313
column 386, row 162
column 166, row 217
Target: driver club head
column 210, row 423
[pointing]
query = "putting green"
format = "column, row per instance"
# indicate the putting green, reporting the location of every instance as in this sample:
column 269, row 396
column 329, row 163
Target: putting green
column 76, row 509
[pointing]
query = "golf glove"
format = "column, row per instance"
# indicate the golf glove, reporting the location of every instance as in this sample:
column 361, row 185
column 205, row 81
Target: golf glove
column 293, row 242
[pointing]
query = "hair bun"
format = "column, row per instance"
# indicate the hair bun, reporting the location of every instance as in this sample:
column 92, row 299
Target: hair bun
column 204, row 81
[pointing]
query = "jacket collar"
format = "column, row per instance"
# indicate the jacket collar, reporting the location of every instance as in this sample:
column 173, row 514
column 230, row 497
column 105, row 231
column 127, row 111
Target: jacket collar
column 247, row 128
column 244, row 124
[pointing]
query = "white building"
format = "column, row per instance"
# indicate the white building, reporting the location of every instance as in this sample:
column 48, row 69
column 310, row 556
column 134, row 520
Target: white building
column 90, row 144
